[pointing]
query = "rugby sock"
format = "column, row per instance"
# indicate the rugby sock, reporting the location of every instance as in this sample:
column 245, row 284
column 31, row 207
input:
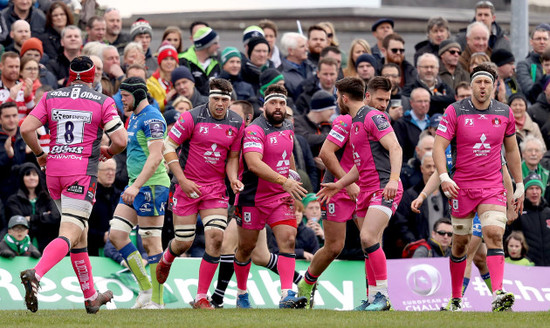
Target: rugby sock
column 224, row 276
column 53, row 254
column 272, row 265
column 83, row 269
column 487, row 278
column 369, row 283
column 158, row 289
column 309, row 278
column 241, row 273
column 465, row 283
column 458, row 267
column 133, row 259
column 208, row 267
column 495, row 263
column 377, row 261
column 168, row 256
column 286, row 266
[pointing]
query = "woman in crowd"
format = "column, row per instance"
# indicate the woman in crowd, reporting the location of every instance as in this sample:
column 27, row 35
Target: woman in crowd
column 516, row 249
column 29, row 72
column 524, row 124
column 58, row 17
column 358, row 47
column 160, row 84
column 174, row 36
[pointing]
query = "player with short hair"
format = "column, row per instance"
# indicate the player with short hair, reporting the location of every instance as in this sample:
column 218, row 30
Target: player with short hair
column 336, row 154
column 76, row 116
column 267, row 197
column 377, row 157
column 144, row 199
column 210, row 137
column 477, row 128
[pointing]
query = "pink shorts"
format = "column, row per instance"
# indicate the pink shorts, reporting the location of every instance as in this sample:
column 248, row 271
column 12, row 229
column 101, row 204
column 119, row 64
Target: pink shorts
column 370, row 198
column 212, row 196
column 82, row 187
column 256, row 217
column 340, row 208
column 469, row 199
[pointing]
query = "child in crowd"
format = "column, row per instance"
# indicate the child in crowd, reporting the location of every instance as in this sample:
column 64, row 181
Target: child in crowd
column 516, row 248
column 17, row 241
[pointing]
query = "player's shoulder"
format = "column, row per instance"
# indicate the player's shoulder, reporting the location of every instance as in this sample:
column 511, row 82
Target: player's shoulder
column 234, row 119
column 499, row 108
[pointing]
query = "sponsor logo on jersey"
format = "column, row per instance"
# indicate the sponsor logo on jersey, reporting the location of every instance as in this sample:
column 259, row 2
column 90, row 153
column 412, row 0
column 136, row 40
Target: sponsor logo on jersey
column 252, row 145
column 66, row 149
column 217, row 126
column 284, row 163
column 176, row 132
column 469, row 122
column 145, row 207
column 212, row 156
column 203, row 129
column 442, row 128
column 75, row 188
column 251, row 133
column 482, row 117
column 342, row 123
column 273, row 140
column 336, row 136
column 381, row 122
column 70, row 115
column 482, row 148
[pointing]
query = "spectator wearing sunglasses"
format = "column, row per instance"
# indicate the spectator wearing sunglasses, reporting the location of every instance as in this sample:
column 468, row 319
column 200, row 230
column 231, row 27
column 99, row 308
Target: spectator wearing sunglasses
column 449, row 71
column 393, row 49
column 439, row 242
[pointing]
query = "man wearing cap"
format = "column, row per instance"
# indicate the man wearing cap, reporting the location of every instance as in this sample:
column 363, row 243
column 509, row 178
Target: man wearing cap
column 450, row 72
column 529, row 71
column 76, row 116
column 533, row 222
column 325, row 79
column 315, row 125
column 441, row 94
column 142, row 32
column 414, row 121
column 17, row 241
column 316, row 42
column 380, row 29
column 144, row 199
column 113, row 32
column 366, row 66
column 257, row 61
column 477, row 128
column 507, row 84
column 268, row 196
column 250, row 32
column 184, row 84
column 210, row 137
column 295, row 66
column 200, row 58
column 159, row 84
column 231, row 62
column 71, row 41
column 485, row 13
column 438, row 31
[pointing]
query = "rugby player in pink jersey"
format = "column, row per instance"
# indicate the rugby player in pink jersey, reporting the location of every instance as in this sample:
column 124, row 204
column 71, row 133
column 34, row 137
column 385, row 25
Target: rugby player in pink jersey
column 268, row 196
column 210, row 137
column 77, row 116
column 476, row 128
column 377, row 157
column 336, row 154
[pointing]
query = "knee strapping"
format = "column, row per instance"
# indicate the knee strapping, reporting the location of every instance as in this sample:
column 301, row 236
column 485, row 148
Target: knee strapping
column 121, row 224
column 185, row 232
column 462, row 227
column 80, row 221
column 493, row 218
column 148, row 232
column 215, row 222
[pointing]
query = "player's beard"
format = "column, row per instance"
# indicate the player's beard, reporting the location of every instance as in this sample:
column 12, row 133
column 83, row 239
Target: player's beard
column 273, row 120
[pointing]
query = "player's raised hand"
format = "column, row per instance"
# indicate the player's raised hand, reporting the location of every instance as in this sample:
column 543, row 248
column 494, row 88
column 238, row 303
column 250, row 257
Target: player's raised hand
column 327, row 191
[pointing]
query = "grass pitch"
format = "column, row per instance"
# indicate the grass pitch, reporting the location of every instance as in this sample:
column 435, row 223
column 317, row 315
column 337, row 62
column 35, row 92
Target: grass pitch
column 268, row 318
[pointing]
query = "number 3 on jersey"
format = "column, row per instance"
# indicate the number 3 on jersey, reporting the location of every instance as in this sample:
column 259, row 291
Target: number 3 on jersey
column 70, row 125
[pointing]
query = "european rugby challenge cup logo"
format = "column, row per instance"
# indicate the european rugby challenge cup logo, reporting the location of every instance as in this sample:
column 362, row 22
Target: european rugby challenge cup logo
column 424, row 279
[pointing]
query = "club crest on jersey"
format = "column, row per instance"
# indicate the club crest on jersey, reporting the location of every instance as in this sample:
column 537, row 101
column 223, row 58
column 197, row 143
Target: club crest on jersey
column 229, row 132
column 356, row 129
column 381, row 122
column 496, row 122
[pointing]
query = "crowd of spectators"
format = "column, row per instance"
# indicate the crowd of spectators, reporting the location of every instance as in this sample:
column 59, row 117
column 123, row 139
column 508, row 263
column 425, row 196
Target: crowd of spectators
column 39, row 39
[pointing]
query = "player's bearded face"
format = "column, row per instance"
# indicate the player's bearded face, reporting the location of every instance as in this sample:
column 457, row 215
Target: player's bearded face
column 344, row 109
column 127, row 101
column 275, row 111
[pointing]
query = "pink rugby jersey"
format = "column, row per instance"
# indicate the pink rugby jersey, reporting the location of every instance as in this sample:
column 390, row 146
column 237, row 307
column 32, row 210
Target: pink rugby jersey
column 76, row 116
column 206, row 143
column 476, row 138
column 276, row 145
column 370, row 157
column 339, row 135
